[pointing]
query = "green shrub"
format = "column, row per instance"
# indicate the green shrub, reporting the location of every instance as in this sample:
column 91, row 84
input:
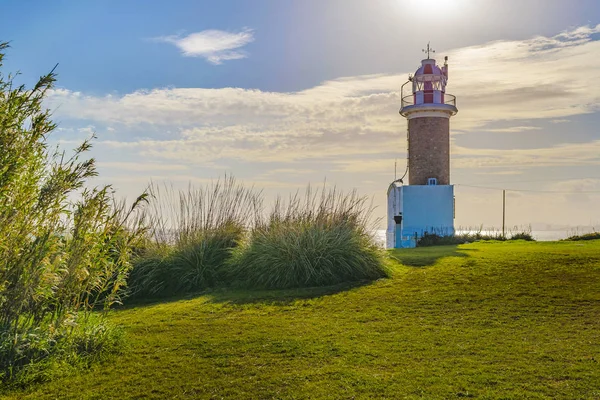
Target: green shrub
column 320, row 240
column 522, row 236
column 41, row 354
column 152, row 274
column 64, row 250
column 200, row 263
column 435, row 239
column 585, row 236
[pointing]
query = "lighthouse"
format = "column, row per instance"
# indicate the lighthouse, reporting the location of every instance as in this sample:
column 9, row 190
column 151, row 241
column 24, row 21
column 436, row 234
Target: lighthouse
column 426, row 203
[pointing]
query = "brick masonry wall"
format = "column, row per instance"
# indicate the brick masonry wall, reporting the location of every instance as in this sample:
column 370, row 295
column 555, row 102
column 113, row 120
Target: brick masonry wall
column 428, row 150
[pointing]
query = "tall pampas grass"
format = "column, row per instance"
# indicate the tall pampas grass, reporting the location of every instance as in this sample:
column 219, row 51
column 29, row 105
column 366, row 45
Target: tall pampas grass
column 322, row 237
column 194, row 233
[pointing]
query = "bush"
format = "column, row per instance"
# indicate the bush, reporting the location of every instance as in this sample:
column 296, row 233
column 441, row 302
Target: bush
column 586, row 236
column 522, row 236
column 434, row 239
column 38, row 355
column 152, row 274
column 64, row 250
column 200, row 263
column 194, row 234
column 322, row 239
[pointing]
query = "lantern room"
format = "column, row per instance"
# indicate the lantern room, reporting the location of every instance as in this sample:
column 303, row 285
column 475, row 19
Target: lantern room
column 429, row 82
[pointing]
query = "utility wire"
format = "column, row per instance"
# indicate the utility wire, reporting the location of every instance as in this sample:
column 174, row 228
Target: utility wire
column 529, row 190
column 544, row 180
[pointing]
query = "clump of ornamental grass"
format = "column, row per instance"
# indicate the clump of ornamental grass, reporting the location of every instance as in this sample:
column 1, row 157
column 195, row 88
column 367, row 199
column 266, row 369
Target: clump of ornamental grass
column 65, row 250
column 321, row 238
column 194, row 234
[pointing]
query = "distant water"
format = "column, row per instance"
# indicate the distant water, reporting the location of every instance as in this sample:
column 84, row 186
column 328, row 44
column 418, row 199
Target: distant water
column 542, row 236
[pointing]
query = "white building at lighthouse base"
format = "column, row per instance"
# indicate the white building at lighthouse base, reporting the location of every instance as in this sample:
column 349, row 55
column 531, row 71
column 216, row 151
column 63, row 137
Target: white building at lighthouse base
column 416, row 210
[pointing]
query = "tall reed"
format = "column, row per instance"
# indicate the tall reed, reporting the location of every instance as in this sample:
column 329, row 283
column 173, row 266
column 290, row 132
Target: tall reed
column 60, row 258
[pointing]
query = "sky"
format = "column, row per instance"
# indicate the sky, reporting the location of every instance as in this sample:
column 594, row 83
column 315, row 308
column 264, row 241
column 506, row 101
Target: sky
column 285, row 93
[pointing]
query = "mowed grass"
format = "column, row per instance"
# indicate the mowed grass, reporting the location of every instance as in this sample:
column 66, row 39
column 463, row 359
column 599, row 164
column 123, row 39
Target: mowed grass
column 482, row 320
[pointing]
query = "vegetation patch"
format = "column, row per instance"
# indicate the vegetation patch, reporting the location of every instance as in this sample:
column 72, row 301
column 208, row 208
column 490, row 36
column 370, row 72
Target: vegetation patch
column 434, row 239
column 587, row 236
column 193, row 235
column 65, row 250
column 219, row 236
column 39, row 354
column 321, row 239
column 490, row 320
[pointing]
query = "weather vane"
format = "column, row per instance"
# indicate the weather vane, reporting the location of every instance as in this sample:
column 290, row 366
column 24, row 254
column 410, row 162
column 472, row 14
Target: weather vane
column 428, row 50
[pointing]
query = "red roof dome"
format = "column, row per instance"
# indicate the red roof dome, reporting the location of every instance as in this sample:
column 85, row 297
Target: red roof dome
column 428, row 67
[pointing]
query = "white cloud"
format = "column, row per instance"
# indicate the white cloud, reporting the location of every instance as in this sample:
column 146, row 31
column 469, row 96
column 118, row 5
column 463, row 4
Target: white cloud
column 138, row 166
column 514, row 129
column 530, row 79
column 569, row 154
column 89, row 130
column 353, row 122
column 589, row 185
column 511, row 172
column 213, row 45
column 349, row 130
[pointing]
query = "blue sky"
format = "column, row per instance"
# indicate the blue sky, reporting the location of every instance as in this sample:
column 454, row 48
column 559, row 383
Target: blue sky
column 104, row 46
column 298, row 91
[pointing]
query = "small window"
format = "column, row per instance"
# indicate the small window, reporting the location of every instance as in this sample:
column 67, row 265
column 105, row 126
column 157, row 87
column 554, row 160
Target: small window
column 432, row 181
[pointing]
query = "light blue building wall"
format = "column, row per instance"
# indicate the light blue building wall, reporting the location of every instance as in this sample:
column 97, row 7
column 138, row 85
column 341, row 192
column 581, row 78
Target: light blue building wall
column 425, row 208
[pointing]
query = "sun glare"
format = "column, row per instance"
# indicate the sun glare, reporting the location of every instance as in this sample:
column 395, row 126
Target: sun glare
column 442, row 3
column 436, row 8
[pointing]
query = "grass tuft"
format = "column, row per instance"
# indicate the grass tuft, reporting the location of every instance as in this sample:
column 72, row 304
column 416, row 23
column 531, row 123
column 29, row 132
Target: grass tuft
column 320, row 239
column 195, row 232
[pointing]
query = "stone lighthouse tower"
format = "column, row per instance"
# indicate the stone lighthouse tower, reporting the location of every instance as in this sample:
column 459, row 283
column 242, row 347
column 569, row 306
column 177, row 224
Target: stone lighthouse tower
column 426, row 204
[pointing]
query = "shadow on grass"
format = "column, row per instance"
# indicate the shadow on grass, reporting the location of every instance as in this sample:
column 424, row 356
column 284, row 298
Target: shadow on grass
column 280, row 296
column 240, row 296
column 136, row 302
column 418, row 257
column 427, row 256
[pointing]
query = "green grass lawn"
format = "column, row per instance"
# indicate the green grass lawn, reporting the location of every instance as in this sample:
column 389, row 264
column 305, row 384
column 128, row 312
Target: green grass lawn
column 483, row 320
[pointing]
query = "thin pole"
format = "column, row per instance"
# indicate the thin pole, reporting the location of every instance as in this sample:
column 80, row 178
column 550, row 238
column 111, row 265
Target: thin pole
column 503, row 210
